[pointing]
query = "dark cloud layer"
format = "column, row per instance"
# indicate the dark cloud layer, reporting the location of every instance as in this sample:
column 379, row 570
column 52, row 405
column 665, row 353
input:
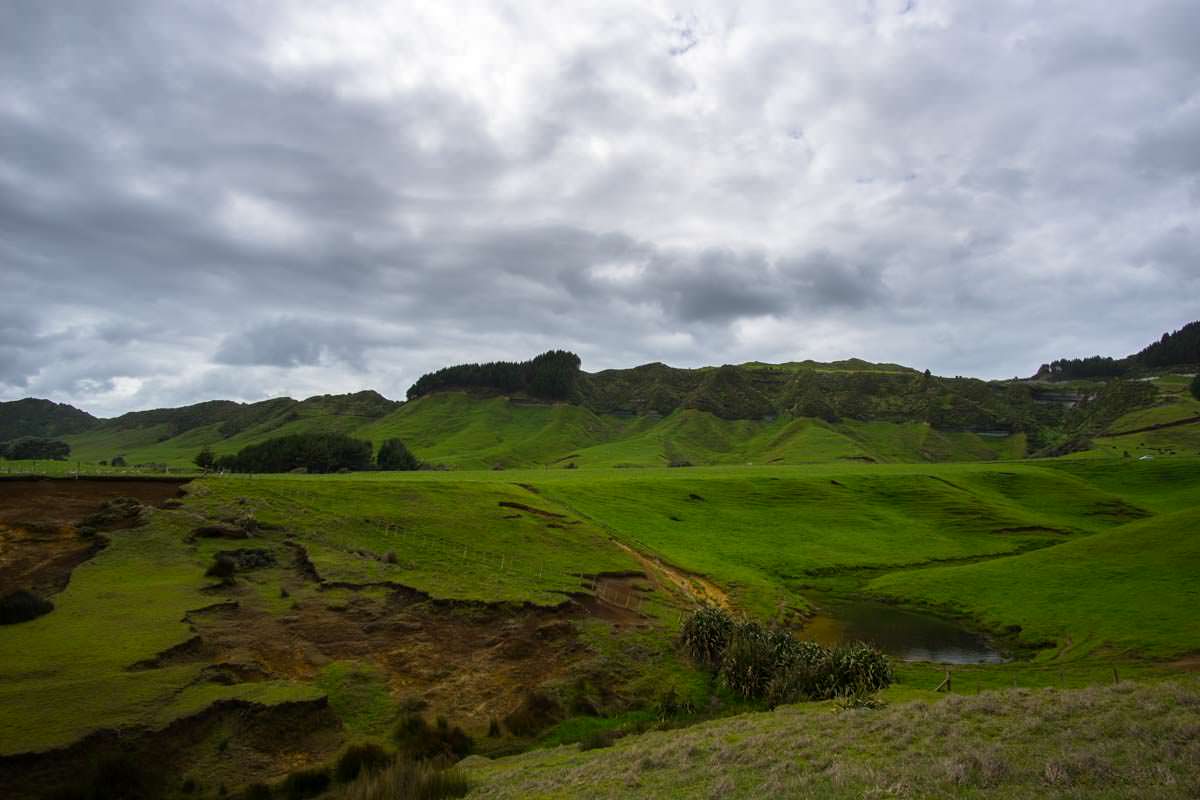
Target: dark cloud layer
column 243, row 200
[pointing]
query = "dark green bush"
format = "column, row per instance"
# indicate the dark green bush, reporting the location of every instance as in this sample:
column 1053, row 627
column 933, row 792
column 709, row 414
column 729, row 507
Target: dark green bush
column 858, row 667
column 223, row 567
column 749, row 660
column 33, row 448
column 22, row 606
column 418, row 740
column 305, row 783
column 758, row 664
column 536, row 712
column 394, row 454
column 705, row 635
column 358, row 759
column 311, row 452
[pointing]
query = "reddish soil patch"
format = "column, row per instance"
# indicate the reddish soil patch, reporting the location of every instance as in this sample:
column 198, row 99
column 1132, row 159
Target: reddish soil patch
column 1190, row 663
column 469, row 662
column 39, row 542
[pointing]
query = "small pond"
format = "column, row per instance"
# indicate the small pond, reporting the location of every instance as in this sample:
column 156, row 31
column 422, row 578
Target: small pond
column 903, row 634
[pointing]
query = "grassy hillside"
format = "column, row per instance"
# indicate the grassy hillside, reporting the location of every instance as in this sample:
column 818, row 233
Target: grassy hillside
column 452, row 540
column 1131, row 588
column 466, row 431
column 467, row 590
column 68, row 673
column 175, row 436
column 41, row 418
column 1125, row 741
column 761, row 532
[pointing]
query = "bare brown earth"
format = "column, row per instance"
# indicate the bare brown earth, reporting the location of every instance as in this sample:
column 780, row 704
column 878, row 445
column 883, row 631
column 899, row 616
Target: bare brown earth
column 39, row 539
column 695, row 587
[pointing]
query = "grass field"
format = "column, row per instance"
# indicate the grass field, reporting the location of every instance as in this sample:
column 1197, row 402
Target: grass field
column 1095, row 559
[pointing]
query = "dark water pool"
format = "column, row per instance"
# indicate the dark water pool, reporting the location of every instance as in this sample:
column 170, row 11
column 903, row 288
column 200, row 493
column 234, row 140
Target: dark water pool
column 903, row 634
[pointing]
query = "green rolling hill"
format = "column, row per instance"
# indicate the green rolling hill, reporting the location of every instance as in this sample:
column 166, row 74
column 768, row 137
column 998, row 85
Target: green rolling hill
column 546, row 412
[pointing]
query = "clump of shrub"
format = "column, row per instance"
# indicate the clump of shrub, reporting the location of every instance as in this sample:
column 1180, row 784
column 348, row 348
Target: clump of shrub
column 760, row 664
column 669, row 706
column 706, row 633
column 22, row 606
column 536, row 712
column 223, row 567
column 395, row 455
column 419, row 741
column 411, row 780
column 359, row 759
column 598, row 739
column 305, row 783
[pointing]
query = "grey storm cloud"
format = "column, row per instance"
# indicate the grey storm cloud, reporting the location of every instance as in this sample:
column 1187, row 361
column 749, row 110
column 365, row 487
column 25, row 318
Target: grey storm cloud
column 249, row 199
column 297, row 342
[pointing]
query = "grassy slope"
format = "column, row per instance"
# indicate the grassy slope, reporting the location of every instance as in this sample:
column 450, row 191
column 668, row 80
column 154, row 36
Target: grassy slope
column 149, row 445
column 65, row 674
column 757, row 530
column 452, row 539
column 1174, row 404
column 458, row 430
column 1125, row 741
column 1131, row 588
column 466, row 432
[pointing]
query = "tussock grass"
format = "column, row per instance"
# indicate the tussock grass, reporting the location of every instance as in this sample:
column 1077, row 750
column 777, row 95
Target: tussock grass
column 406, row 780
column 1123, row 741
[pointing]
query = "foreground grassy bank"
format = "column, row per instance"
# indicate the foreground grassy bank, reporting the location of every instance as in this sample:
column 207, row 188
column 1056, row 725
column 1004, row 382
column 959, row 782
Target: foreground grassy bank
column 1122, row 741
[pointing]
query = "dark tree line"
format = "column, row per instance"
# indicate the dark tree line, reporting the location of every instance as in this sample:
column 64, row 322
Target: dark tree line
column 1091, row 367
column 315, row 452
column 29, row 448
column 550, row 376
column 1178, row 348
column 312, row 452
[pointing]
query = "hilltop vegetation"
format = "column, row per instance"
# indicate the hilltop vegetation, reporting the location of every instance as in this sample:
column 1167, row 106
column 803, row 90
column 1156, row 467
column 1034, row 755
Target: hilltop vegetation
column 1180, row 349
column 42, row 419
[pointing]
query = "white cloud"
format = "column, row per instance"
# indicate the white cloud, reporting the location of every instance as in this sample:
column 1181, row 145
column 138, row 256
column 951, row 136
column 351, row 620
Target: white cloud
column 362, row 191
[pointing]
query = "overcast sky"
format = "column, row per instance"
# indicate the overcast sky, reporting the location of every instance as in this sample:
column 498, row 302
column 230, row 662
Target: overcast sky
column 244, row 200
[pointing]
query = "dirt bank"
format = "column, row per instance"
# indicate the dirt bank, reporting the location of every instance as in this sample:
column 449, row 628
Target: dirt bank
column 39, row 538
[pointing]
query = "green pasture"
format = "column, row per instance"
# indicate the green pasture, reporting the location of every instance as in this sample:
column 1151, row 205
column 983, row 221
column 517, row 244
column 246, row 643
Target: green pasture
column 451, row 539
column 1097, row 557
